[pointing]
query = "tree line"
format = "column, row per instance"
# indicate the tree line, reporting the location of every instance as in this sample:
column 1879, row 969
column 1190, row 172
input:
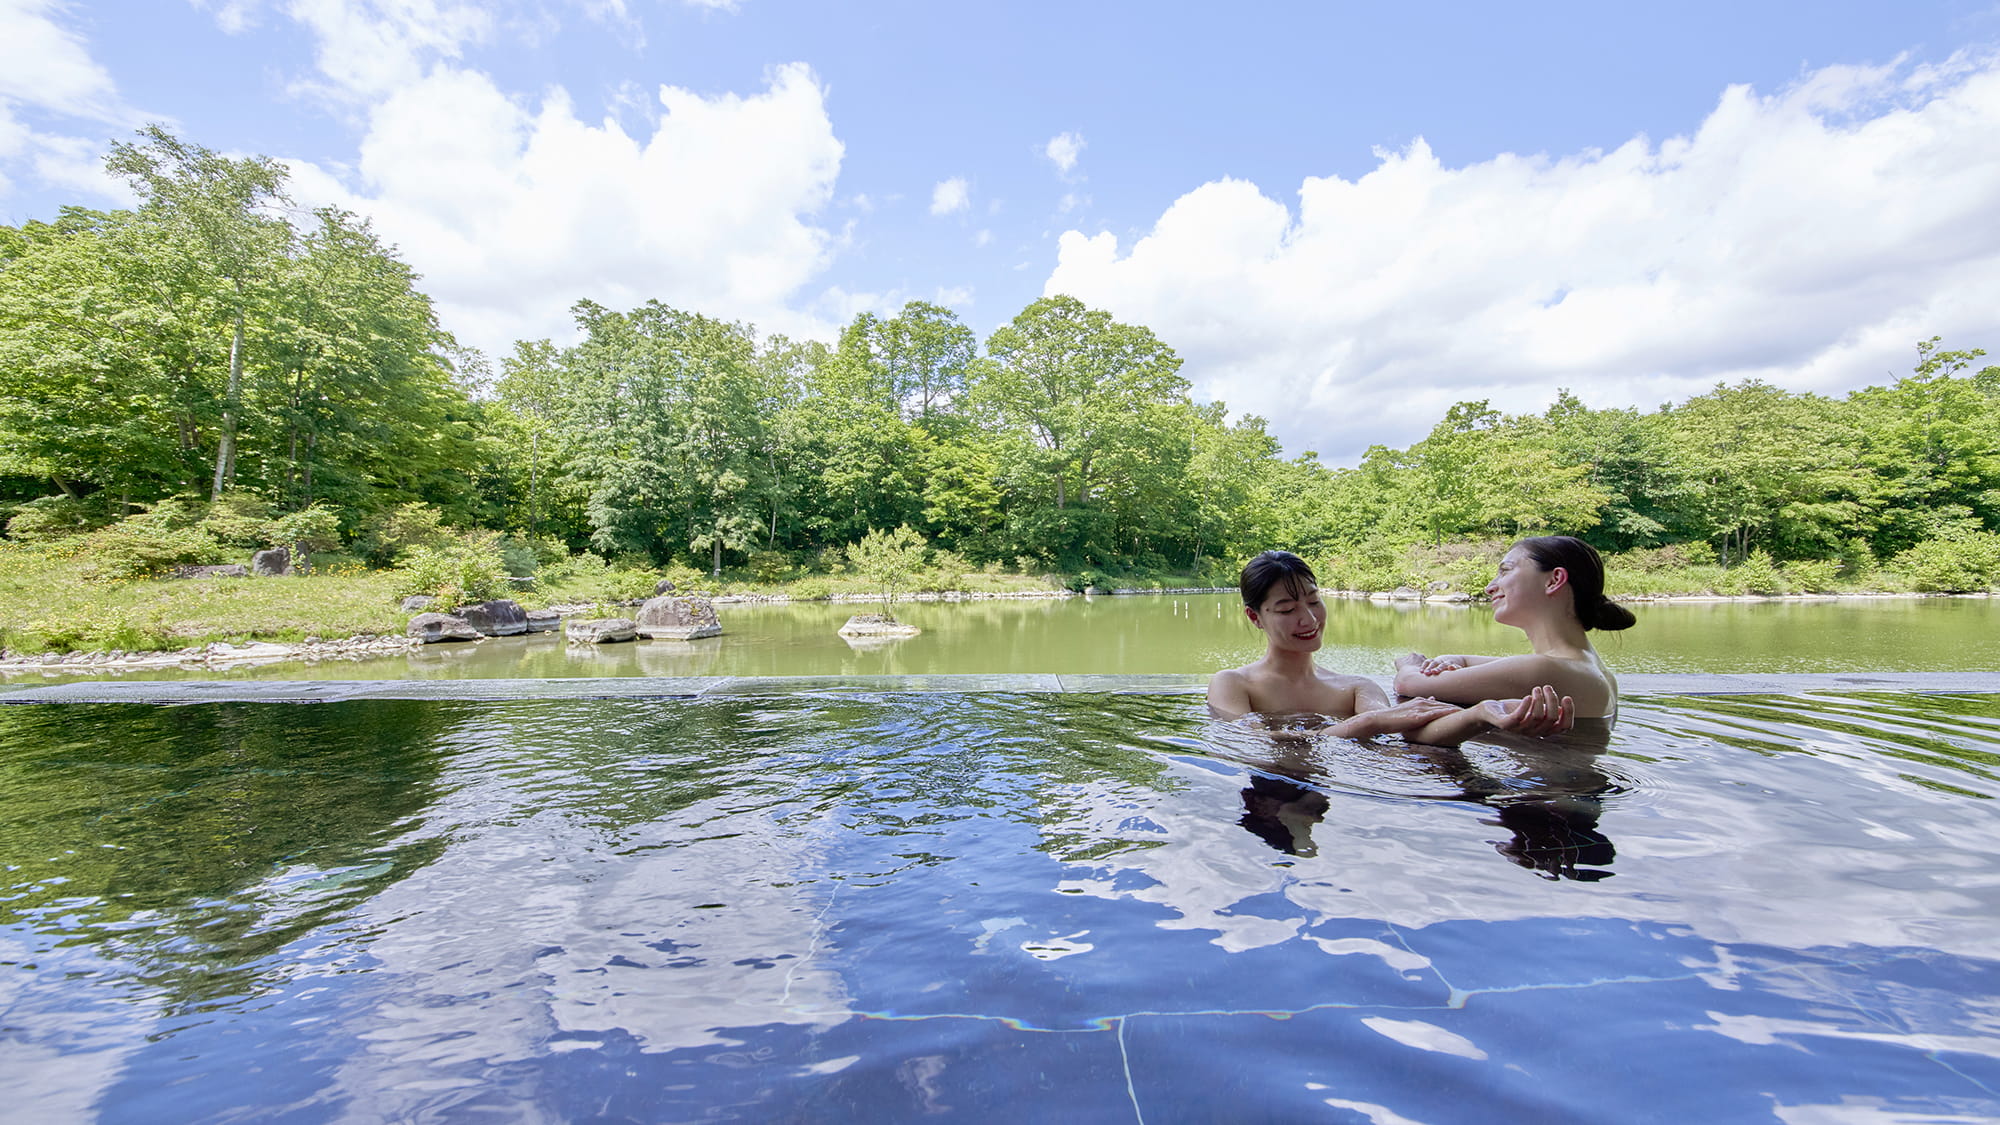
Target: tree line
column 216, row 340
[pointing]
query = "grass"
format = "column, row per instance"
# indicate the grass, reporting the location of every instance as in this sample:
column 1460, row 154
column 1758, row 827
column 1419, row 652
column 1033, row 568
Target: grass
column 53, row 611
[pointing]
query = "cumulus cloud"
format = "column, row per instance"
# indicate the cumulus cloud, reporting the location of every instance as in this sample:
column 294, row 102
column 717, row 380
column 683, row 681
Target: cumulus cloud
column 1808, row 238
column 50, row 89
column 1062, row 150
column 512, row 211
column 951, row 195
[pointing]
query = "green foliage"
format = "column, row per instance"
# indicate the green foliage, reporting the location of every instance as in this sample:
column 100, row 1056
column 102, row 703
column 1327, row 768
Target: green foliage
column 1757, row 574
column 1814, row 576
column 57, row 517
column 1965, row 565
column 467, row 569
column 768, row 567
column 888, row 559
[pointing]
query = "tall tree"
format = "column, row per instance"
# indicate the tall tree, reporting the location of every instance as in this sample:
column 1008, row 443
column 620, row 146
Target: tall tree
column 220, row 215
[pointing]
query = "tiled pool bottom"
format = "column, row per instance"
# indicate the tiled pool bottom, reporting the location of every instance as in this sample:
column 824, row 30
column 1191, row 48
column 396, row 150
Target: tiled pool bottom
column 836, row 904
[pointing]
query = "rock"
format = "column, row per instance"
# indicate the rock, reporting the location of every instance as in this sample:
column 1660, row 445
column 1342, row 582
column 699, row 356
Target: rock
column 1405, row 594
column 430, row 628
column 274, row 562
column 498, row 618
column 678, row 619
column 417, row 603
column 601, row 631
column 1093, row 591
column 877, row 625
column 663, row 586
column 233, row 570
column 544, row 620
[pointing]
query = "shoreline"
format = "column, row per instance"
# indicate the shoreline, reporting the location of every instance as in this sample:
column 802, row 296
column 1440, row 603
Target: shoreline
column 221, row 655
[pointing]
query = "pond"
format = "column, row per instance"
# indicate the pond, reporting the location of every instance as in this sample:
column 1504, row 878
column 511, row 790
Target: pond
column 1195, row 634
column 869, row 907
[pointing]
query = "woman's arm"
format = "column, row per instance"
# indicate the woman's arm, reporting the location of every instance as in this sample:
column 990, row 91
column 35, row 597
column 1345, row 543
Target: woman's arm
column 1502, row 677
column 1410, row 715
column 1539, row 713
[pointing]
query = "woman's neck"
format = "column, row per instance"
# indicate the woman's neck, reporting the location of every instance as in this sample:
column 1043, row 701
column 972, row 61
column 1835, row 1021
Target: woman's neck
column 1557, row 636
column 1289, row 663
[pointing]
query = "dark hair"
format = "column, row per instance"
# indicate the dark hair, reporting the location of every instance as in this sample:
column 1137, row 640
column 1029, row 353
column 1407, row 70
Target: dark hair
column 1586, row 579
column 1269, row 569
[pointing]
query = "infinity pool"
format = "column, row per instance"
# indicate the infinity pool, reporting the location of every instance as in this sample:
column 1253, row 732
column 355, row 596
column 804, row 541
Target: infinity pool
column 1023, row 907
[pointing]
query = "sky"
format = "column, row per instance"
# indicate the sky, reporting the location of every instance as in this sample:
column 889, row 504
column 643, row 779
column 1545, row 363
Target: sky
column 1343, row 217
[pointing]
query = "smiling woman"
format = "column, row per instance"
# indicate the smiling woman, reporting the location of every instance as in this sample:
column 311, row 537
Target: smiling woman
column 1281, row 597
column 1552, row 588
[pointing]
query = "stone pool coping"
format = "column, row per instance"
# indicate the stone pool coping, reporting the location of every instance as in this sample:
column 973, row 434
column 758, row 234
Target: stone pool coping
column 691, row 687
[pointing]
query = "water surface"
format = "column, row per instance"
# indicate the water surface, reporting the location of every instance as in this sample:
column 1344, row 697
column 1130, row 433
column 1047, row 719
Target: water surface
column 866, row 908
column 1197, row 634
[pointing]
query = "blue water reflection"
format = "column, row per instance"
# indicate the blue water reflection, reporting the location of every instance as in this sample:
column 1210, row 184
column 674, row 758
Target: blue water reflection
column 1019, row 907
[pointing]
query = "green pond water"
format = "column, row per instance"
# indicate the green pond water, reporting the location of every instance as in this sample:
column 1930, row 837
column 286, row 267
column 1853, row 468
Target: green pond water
column 1196, row 634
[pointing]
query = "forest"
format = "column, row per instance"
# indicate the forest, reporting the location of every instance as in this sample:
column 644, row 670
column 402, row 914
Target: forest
column 217, row 366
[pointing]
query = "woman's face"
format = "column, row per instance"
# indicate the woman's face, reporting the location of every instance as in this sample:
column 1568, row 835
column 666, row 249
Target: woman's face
column 1521, row 587
column 1292, row 619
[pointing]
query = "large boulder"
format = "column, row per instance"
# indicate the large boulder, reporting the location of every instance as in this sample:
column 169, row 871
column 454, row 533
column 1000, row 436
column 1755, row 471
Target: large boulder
column 272, row 562
column 601, row 630
column 678, row 619
column 544, row 620
column 498, row 618
column 417, row 603
column 430, row 628
column 233, row 570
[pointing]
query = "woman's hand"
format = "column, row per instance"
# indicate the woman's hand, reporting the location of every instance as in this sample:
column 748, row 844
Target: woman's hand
column 1429, row 665
column 1539, row 713
column 1409, row 715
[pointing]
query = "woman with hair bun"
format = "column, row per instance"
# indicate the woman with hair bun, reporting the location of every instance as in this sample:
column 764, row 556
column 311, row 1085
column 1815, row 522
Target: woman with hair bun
column 1550, row 587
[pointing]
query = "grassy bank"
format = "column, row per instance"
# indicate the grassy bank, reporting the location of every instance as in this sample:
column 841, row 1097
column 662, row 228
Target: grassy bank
column 52, row 610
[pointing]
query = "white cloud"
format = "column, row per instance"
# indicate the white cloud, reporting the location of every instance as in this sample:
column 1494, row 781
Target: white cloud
column 1808, row 238
column 50, row 87
column 951, row 195
column 952, row 296
column 372, row 48
column 512, row 211
column 1062, row 150
column 983, row 238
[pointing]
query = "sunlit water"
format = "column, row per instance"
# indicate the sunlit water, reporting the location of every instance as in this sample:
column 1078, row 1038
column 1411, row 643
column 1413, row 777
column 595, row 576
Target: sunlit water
column 1189, row 634
column 1005, row 907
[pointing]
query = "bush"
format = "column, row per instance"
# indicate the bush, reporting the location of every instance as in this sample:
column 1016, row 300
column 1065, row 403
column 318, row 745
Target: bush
column 238, row 520
column 1967, row 564
column 60, row 517
column 1754, row 575
column 622, row 585
column 810, row 589
column 768, row 567
column 467, row 569
column 519, row 557
column 1818, row 576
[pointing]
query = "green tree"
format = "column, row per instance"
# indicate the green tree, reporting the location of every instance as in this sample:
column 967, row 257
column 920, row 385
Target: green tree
column 889, row 559
column 220, row 217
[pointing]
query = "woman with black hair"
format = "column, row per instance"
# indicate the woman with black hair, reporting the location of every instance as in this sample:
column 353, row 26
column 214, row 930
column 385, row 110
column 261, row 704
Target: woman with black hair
column 1550, row 587
column 1281, row 597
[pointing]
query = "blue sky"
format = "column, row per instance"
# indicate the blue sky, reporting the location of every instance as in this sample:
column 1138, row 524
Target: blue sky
column 1344, row 217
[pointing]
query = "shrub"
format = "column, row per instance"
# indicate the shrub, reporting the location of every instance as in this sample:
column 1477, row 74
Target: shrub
column 768, row 567
column 1754, row 575
column 467, row 569
column 237, row 520
column 60, row 517
column 1816, row 576
column 166, row 535
column 1967, row 564
column 811, row 589
column 621, row 585
column 519, row 557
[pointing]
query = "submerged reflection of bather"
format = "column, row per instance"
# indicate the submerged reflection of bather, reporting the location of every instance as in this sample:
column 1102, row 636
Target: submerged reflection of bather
column 1547, row 793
